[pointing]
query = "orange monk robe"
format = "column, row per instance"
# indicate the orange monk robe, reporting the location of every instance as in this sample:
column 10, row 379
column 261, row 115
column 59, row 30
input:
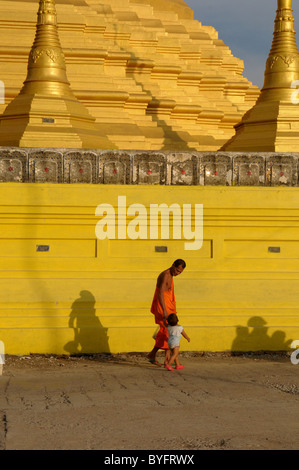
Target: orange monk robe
column 157, row 310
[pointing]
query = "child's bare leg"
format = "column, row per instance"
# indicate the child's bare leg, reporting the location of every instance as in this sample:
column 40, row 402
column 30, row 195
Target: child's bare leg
column 167, row 356
column 174, row 356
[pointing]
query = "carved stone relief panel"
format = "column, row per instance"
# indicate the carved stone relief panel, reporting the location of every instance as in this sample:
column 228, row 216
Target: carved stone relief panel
column 215, row 170
column 248, row 170
column 13, row 166
column 181, row 169
column 114, row 168
column 149, row 168
column 45, row 166
column 80, row 167
column 281, row 170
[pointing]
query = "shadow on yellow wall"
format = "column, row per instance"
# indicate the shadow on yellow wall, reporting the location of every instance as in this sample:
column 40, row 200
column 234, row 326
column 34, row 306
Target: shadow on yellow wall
column 255, row 337
column 89, row 334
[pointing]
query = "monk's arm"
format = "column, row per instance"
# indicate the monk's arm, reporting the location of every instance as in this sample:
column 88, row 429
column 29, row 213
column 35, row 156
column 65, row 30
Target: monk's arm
column 162, row 289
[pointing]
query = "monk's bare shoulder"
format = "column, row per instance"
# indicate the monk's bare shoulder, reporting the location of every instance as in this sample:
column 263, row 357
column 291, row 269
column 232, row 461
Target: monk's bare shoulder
column 164, row 279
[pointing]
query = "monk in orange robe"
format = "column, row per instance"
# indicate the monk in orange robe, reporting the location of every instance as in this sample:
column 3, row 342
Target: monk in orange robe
column 163, row 305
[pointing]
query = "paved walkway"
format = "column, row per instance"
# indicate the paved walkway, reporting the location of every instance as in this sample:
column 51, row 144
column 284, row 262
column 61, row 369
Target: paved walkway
column 126, row 403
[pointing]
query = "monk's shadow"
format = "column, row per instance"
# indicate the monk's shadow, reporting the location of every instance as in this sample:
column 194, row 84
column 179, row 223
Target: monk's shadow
column 255, row 337
column 90, row 336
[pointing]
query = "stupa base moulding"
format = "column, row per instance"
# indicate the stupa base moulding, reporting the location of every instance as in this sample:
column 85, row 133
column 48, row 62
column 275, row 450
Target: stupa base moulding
column 46, row 165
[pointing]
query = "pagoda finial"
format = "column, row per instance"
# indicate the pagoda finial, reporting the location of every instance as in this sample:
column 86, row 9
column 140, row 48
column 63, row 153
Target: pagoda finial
column 284, row 21
column 47, row 13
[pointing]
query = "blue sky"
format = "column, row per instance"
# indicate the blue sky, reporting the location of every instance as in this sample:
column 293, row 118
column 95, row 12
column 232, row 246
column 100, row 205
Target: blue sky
column 246, row 26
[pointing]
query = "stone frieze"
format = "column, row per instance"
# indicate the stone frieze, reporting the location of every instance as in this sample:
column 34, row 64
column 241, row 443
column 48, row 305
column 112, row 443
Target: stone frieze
column 37, row 165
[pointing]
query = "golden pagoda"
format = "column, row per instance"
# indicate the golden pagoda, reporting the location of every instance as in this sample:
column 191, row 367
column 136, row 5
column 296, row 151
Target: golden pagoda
column 46, row 113
column 151, row 76
column 272, row 125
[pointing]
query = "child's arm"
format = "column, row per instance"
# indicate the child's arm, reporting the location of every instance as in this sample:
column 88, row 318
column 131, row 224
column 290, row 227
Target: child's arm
column 185, row 336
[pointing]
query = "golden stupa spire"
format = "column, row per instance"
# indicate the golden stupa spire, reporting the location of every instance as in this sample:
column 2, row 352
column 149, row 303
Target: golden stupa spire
column 282, row 65
column 273, row 123
column 46, row 113
column 46, row 65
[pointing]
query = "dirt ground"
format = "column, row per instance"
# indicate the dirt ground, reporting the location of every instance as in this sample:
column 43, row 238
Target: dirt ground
column 122, row 402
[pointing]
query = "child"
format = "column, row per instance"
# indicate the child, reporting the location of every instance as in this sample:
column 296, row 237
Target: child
column 175, row 332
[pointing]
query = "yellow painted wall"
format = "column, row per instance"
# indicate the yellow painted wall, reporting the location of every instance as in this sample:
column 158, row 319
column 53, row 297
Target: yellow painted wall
column 87, row 295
